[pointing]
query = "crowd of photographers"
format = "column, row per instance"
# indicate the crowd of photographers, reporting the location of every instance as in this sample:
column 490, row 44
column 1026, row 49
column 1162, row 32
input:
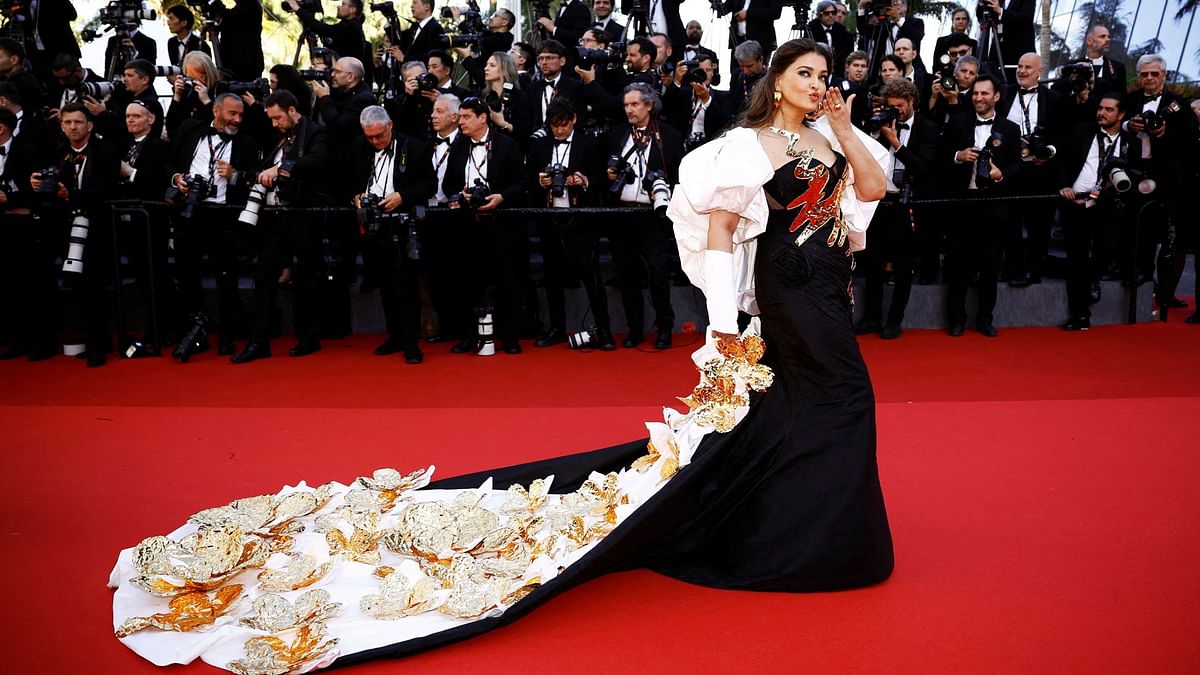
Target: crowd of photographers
column 413, row 153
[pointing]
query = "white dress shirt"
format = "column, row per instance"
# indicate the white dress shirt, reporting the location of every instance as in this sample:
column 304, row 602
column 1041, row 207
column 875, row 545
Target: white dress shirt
column 633, row 192
column 441, row 155
column 560, row 153
column 204, row 163
column 1089, row 174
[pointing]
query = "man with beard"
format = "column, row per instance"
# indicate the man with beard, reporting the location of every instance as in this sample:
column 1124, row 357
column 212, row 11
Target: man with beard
column 752, row 66
column 826, row 30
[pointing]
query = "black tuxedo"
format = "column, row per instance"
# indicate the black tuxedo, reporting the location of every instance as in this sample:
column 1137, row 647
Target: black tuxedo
column 842, row 43
column 417, row 45
column 1017, row 36
column 615, row 30
column 1169, row 152
column 760, row 24
column 144, row 47
column 149, row 157
column 144, row 239
column 416, row 183
column 345, row 37
column 588, row 100
column 573, row 20
column 1110, row 77
column 942, row 46
column 28, row 278
column 243, row 155
column 193, row 44
column 240, row 45
column 505, row 169
column 585, row 157
column 679, row 105
column 972, row 241
column 1051, row 109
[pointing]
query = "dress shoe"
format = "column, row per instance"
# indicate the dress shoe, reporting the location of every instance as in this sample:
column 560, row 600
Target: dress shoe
column 1077, row 324
column 95, row 359
column 1095, row 293
column 512, row 346
column 305, row 347
column 253, row 352
column 551, row 337
column 866, row 327
column 1024, row 281
column 465, row 346
column 986, row 329
column 13, row 353
column 956, row 328
column 1194, row 318
column 388, row 347
column 434, row 339
column 890, row 331
column 413, row 355
column 1173, row 303
column 225, row 347
column 663, row 340
column 604, row 340
column 632, row 340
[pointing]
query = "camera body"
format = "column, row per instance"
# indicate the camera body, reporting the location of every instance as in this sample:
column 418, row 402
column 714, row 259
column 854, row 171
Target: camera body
column 315, row 75
column 624, row 173
column 983, row 163
column 558, row 179
column 50, row 178
column 1076, row 76
column 1034, row 146
column 945, row 74
column 694, row 73
column 427, row 82
column 1152, row 120
column 497, row 103
column 984, row 13
column 198, row 189
column 655, row 183
column 476, row 195
column 260, row 89
column 884, row 117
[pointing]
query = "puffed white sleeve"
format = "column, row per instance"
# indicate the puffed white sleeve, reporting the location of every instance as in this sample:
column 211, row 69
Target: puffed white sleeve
column 725, row 174
column 856, row 214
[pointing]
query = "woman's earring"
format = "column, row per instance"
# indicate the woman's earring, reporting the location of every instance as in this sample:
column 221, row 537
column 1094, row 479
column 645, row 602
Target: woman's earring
column 778, row 98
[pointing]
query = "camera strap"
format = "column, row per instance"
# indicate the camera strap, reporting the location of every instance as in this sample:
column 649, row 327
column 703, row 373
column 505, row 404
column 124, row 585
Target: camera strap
column 1025, row 109
column 213, row 155
column 383, row 164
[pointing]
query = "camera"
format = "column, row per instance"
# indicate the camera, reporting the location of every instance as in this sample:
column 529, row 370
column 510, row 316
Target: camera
column 254, row 204
column 558, row 179
column 50, row 178
column 624, row 172
column 984, row 13
column 1034, row 145
column 945, row 74
column 497, row 103
column 314, row 75
column 391, row 28
column 1076, row 76
column 883, row 117
column 198, row 189
column 591, row 57
column 1151, row 120
column 660, row 191
column 541, row 9
column 121, row 16
column 76, row 243
column 983, row 163
column 98, row 90
column 694, row 72
column 427, row 82
column 695, row 140
column 311, row 6
column 1118, row 174
column 875, row 8
column 260, row 89
column 476, row 195
column 459, row 40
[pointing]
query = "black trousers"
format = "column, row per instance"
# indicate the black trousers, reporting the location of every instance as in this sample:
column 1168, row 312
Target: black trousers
column 294, row 240
column 891, row 240
column 445, row 246
column 497, row 260
column 930, row 236
column 570, row 251
column 395, row 274
column 1027, row 230
column 973, row 248
column 29, row 282
column 641, row 248
column 142, row 241
column 214, row 234
column 1090, row 235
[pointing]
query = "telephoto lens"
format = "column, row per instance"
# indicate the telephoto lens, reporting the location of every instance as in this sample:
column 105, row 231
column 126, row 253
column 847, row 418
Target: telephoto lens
column 76, row 243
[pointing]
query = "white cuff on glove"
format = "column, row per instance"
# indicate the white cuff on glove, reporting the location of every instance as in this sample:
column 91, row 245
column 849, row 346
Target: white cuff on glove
column 719, row 292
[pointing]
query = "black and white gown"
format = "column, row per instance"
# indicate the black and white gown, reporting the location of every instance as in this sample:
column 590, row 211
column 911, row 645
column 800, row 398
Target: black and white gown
column 788, row 499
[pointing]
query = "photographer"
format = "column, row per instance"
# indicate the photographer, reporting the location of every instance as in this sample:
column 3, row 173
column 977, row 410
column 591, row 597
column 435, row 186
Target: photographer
column 240, row 44
column 497, row 38
column 986, row 152
column 449, row 288
column 423, row 36
column 136, row 46
column 893, row 14
column 960, row 30
column 339, row 104
column 411, row 109
column 1013, row 22
column 215, row 159
column 950, row 102
column 346, row 36
column 28, row 282
column 602, row 18
column 68, row 74
column 752, row 20
column 826, row 30
column 642, row 245
column 483, row 174
column 289, row 176
column 565, row 168
column 640, row 56
column 13, row 69
column 182, row 23
column 508, row 107
column 191, row 96
column 1040, row 114
column 752, row 66
column 394, row 175
column 441, row 67
column 692, row 106
column 1092, row 209
column 957, row 46
column 912, row 142
column 138, row 80
column 87, row 170
column 33, row 129
column 1165, row 129
column 568, row 26
column 1108, row 75
column 525, row 57
column 693, row 49
column 584, row 97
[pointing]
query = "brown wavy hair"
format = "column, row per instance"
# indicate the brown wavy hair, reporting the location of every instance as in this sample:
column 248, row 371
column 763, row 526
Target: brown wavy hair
column 760, row 109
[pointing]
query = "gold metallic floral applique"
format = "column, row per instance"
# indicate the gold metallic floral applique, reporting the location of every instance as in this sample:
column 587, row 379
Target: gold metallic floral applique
column 274, row 614
column 361, row 511
column 435, row 531
column 670, row 464
column 398, row 597
column 302, row 571
column 726, row 382
column 186, row 612
column 272, row 655
column 519, row 499
column 202, row 560
column 267, row 516
column 389, row 484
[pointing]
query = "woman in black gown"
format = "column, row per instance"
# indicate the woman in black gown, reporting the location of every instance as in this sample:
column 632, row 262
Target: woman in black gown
column 789, row 499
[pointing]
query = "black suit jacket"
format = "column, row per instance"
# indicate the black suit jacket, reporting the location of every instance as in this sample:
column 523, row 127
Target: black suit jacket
column 54, row 27
column 960, row 135
column 310, row 153
column 740, row 88
column 920, row 153
column 143, row 44
column 913, row 29
column 505, row 169
column 843, row 44
column 664, row 152
column 23, row 158
column 1170, row 160
column 240, row 45
column 571, row 22
column 193, row 44
column 588, row 100
column 100, row 174
column 412, row 172
column 1077, row 143
column 1052, row 109
column 243, row 156
column 677, row 110
column 345, row 37
column 33, row 96
column 150, row 160
column 1110, row 77
column 426, row 40
column 586, row 158
column 615, row 30
column 1017, row 38
column 760, row 23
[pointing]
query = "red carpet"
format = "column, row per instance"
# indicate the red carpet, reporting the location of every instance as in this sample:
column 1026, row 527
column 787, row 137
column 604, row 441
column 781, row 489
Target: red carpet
column 1041, row 488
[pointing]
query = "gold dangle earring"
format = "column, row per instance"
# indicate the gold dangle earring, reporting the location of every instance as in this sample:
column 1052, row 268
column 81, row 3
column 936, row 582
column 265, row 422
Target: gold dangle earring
column 778, row 98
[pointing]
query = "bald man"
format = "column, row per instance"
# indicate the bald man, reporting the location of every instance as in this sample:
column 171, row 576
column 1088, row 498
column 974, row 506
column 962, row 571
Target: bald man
column 1041, row 115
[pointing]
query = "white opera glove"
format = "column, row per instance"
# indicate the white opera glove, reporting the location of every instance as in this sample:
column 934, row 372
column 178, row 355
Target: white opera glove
column 721, row 301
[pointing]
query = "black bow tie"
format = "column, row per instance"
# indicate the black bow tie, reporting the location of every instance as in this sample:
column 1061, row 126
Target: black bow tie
column 479, row 144
column 902, row 125
column 3, row 151
column 564, row 141
column 1029, row 91
column 224, row 137
column 984, row 123
column 1146, row 98
column 439, row 140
